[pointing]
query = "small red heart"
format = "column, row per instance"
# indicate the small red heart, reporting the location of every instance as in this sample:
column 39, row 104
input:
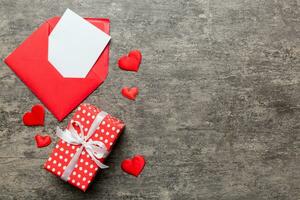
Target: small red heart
column 42, row 141
column 136, row 54
column 35, row 117
column 130, row 93
column 131, row 62
column 133, row 166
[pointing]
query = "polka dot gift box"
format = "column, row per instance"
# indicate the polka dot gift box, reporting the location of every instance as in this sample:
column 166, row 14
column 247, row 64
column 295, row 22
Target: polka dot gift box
column 84, row 145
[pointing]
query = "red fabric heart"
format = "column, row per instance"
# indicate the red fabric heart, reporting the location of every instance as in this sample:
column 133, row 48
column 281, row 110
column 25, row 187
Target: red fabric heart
column 131, row 62
column 133, row 166
column 42, row 141
column 130, row 93
column 35, row 117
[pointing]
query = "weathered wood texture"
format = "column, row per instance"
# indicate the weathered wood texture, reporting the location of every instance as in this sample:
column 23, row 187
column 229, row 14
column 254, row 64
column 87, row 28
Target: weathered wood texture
column 218, row 115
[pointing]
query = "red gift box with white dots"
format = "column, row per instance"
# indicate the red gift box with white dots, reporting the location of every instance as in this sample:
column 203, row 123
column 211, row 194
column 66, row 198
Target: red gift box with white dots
column 85, row 169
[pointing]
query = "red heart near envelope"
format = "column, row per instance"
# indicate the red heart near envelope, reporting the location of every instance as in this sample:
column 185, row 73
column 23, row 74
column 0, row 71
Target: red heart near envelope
column 59, row 94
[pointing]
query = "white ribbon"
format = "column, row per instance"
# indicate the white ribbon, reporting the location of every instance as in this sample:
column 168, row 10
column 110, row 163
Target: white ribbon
column 95, row 149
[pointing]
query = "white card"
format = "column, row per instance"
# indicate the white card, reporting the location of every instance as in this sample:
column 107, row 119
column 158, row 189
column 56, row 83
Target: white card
column 74, row 45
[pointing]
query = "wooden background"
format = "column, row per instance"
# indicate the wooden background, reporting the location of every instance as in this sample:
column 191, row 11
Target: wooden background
column 218, row 112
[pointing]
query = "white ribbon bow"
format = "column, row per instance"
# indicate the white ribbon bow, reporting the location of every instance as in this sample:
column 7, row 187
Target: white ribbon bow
column 95, row 149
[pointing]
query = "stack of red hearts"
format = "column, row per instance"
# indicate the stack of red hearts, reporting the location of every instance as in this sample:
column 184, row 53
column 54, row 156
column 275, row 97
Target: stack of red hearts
column 130, row 62
column 74, row 159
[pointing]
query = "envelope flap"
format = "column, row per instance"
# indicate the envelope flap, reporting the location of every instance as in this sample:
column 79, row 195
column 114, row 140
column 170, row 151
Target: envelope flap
column 29, row 62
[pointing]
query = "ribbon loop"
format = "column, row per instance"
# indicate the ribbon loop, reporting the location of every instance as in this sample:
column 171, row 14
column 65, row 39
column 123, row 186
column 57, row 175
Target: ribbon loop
column 95, row 149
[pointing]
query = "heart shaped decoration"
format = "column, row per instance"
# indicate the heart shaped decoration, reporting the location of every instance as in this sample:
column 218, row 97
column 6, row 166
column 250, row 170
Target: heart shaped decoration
column 133, row 166
column 42, row 141
column 130, row 93
column 131, row 62
column 36, row 117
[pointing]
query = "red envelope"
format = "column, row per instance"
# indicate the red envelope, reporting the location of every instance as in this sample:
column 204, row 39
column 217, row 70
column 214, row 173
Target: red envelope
column 60, row 95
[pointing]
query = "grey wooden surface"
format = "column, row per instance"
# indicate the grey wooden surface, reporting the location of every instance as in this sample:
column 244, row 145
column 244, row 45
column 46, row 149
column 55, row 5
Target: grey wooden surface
column 218, row 112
